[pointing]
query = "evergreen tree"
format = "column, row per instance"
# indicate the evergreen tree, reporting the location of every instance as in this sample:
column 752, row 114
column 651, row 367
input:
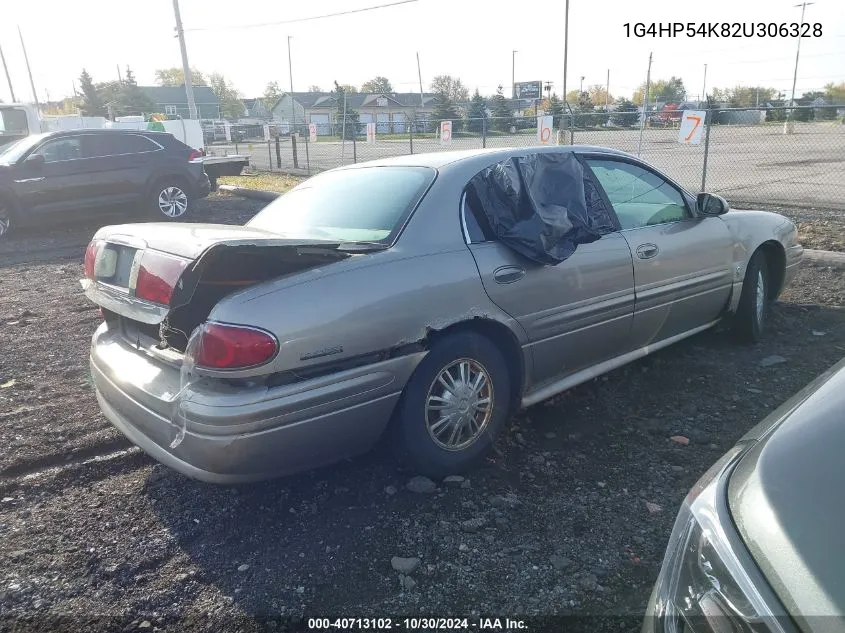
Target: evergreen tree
column 555, row 109
column 476, row 113
column 132, row 99
column 350, row 129
column 502, row 114
column 625, row 114
column 445, row 110
column 92, row 104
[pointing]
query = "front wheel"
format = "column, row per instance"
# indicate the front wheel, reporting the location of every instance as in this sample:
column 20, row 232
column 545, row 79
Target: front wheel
column 454, row 406
column 5, row 218
column 170, row 200
column 753, row 308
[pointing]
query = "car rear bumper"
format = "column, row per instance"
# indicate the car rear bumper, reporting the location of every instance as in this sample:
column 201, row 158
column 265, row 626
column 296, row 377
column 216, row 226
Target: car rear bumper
column 234, row 435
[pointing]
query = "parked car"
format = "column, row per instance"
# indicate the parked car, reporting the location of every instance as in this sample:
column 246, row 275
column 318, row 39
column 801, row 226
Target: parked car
column 72, row 172
column 428, row 296
column 757, row 545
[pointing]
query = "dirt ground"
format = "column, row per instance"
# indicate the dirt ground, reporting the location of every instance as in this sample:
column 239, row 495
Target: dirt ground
column 95, row 536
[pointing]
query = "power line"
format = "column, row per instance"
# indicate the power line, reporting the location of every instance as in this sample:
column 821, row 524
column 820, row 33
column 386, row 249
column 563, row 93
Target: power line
column 309, row 19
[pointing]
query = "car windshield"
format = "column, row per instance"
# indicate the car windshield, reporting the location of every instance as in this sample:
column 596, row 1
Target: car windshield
column 352, row 205
column 13, row 152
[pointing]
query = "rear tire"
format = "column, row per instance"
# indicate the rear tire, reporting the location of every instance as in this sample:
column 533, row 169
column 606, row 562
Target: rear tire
column 753, row 309
column 453, row 407
column 170, row 200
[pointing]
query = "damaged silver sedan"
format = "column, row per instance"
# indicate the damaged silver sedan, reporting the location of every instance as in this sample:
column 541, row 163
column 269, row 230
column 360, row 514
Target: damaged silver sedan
column 426, row 297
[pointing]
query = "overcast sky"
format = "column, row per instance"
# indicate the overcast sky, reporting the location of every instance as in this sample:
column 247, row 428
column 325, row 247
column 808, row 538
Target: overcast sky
column 471, row 39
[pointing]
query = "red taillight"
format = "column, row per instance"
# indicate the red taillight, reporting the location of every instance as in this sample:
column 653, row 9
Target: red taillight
column 195, row 156
column 157, row 276
column 91, row 257
column 233, row 347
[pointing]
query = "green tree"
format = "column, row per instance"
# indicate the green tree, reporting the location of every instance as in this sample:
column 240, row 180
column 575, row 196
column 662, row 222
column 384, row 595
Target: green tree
column 670, row 90
column 554, row 106
column 743, row 96
column 92, row 104
column 272, row 94
column 314, row 88
column 450, row 86
column 625, row 114
column 231, row 106
column 502, row 113
column 377, row 85
column 176, row 77
column 131, row 99
column 599, row 96
column 445, row 110
column 835, row 93
column 476, row 113
column 348, row 126
column 349, row 89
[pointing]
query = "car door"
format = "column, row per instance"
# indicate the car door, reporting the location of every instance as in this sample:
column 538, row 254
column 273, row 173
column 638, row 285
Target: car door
column 576, row 313
column 60, row 183
column 682, row 263
column 121, row 162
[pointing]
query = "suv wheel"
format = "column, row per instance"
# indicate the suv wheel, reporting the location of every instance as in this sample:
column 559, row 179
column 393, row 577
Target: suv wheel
column 5, row 217
column 170, row 200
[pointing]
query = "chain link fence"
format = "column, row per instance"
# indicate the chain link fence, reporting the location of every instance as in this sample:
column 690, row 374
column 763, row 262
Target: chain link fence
column 776, row 156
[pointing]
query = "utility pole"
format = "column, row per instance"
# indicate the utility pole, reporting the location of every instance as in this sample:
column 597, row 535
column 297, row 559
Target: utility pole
column 513, row 74
column 28, row 69
column 292, row 102
column 704, row 85
column 645, row 104
column 119, row 77
column 803, row 6
column 419, row 76
column 8, row 78
column 565, row 48
column 186, row 69
column 581, row 88
column 607, row 92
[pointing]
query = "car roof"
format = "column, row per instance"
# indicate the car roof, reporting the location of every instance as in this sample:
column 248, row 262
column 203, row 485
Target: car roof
column 118, row 131
column 437, row 160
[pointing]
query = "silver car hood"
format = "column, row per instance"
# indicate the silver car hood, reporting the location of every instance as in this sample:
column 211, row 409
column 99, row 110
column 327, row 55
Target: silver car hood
column 786, row 499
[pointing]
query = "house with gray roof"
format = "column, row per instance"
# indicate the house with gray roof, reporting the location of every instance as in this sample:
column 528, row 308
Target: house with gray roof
column 173, row 100
column 391, row 112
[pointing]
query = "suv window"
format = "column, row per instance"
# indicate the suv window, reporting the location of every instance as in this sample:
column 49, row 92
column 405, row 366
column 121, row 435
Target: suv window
column 97, row 145
column 65, row 148
column 638, row 196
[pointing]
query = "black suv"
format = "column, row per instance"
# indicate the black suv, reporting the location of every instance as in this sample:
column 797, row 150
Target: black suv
column 75, row 171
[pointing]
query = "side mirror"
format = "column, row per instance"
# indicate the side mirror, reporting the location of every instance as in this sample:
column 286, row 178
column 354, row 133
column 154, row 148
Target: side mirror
column 34, row 160
column 711, row 204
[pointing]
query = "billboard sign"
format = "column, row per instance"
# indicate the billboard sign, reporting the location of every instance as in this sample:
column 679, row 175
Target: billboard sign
column 528, row 90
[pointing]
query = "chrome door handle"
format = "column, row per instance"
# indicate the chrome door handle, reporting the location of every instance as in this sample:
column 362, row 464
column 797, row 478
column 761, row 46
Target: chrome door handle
column 647, row 251
column 508, row 274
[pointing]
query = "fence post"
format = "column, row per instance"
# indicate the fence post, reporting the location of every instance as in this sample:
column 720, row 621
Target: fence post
column 307, row 157
column 483, row 131
column 708, row 120
column 293, row 150
column 236, row 147
column 278, row 153
column 411, row 134
column 269, row 157
column 355, row 144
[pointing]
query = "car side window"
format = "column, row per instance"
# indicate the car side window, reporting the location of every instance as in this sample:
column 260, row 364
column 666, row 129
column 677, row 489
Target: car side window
column 68, row 148
column 478, row 229
column 638, row 196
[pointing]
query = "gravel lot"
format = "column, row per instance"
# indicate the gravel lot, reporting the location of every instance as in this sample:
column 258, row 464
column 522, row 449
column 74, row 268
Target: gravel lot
column 94, row 536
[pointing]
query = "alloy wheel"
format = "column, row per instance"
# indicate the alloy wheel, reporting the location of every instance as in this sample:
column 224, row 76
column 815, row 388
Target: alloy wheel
column 760, row 297
column 172, row 202
column 459, row 404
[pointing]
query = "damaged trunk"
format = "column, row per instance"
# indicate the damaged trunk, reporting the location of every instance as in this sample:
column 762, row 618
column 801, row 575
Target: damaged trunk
column 159, row 289
column 225, row 269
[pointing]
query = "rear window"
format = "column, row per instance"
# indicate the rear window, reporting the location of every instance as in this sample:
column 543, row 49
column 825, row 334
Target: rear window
column 367, row 204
